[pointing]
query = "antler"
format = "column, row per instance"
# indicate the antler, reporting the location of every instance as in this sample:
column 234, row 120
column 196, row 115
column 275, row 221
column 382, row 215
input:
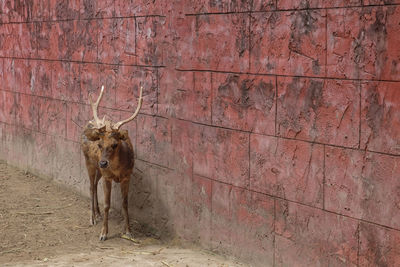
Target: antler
column 97, row 122
column 120, row 123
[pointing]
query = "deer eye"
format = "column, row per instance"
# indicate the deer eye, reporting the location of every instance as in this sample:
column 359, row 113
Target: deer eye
column 114, row 146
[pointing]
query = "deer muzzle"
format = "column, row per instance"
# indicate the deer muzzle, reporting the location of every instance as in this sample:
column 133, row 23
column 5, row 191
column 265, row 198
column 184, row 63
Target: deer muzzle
column 103, row 164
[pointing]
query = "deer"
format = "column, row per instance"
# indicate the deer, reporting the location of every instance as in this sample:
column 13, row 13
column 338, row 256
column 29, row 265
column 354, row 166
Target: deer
column 109, row 155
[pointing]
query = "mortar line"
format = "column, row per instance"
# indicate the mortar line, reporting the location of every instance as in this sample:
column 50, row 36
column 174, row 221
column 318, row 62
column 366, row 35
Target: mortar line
column 80, row 86
column 212, row 96
column 39, row 117
column 288, row 76
column 66, row 118
column 114, row 9
column 292, row 9
column 79, row 11
column 136, row 138
column 359, row 115
column 36, row 31
column 193, row 82
column 39, row 21
column 249, row 42
column 136, row 30
column 216, row 13
column 157, row 91
column 83, row 62
column 115, row 83
column 192, row 177
column 82, row 19
column 276, row 106
column 155, row 164
column 358, row 243
column 211, row 219
column 249, row 175
column 323, row 178
column 274, row 238
column 38, row 113
column 97, row 43
column 326, row 43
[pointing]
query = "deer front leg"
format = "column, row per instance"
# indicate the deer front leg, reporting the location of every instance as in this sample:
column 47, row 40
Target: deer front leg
column 124, row 193
column 107, row 197
column 96, row 202
column 92, row 174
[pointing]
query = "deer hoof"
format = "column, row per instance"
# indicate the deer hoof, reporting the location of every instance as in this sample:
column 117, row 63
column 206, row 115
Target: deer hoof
column 103, row 237
column 92, row 220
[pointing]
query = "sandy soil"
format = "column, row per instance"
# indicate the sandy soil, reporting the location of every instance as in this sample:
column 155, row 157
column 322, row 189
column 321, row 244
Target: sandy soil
column 45, row 224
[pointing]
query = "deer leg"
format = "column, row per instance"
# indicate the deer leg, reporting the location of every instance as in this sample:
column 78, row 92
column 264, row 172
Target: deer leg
column 124, row 193
column 92, row 174
column 96, row 202
column 107, row 197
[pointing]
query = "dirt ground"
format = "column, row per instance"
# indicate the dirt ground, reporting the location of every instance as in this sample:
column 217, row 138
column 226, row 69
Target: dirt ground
column 45, row 224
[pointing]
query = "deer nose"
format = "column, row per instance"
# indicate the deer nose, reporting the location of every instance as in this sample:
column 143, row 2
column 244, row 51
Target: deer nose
column 103, row 164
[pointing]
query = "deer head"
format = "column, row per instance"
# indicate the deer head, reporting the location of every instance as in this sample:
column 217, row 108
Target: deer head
column 107, row 134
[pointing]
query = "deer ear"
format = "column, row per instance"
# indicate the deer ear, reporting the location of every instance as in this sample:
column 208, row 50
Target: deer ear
column 123, row 134
column 120, row 134
column 92, row 134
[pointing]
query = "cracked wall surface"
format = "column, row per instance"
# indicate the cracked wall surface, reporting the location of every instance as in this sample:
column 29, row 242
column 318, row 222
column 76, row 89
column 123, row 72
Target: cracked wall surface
column 270, row 129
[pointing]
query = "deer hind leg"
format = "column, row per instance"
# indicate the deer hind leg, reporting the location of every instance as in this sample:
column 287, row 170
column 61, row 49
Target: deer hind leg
column 107, row 197
column 96, row 201
column 124, row 193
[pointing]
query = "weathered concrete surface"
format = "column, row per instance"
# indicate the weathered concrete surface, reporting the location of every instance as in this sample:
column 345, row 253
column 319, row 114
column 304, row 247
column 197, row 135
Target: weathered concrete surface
column 286, row 168
column 307, row 236
column 258, row 118
column 324, row 111
column 288, row 43
column 361, row 43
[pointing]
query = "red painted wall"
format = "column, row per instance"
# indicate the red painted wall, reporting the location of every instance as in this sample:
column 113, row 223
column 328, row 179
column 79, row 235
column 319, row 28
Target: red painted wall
column 269, row 130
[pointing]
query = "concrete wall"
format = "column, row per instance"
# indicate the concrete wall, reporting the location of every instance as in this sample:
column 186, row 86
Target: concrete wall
column 269, row 130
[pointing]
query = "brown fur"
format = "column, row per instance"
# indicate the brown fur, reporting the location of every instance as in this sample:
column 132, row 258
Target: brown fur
column 115, row 148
